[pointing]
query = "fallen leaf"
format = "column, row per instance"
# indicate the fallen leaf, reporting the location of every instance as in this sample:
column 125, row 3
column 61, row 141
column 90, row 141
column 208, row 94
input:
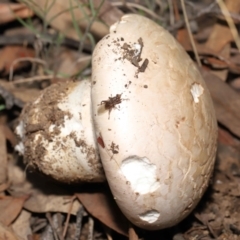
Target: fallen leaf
column 71, row 62
column 9, row 99
column 132, row 234
column 22, row 93
column 108, row 13
column 214, row 59
column 183, row 39
column 21, row 226
column 101, row 205
column 12, row 11
column 3, row 157
column 226, row 138
column 4, row 186
column 9, row 135
column 226, row 102
column 225, row 53
column 10, row 207
column 8, row 234
column 10, row 55
column 235, row 83
column 228, row 163
column 45, row 195
column 61, row 15
column 42, row 203
column 221, row 36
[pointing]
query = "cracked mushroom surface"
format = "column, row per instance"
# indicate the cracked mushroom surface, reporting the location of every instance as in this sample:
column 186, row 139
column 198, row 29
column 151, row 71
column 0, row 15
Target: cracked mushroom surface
column 155, row 123
column 57, row 136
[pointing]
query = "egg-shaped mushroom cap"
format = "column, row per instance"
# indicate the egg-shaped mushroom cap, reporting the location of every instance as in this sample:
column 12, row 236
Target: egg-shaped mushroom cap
column 155, row 122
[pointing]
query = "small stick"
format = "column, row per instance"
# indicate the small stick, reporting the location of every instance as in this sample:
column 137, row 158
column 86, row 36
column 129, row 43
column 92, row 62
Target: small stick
column 90, row 228
column 230, row 22
column 132, row 233
column 190, row 33
column 49, row 218
column 29, row 59
column 68, row 217
column 79, row 217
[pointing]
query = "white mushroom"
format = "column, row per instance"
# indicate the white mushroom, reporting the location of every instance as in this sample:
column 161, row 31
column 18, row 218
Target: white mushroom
column 57, row 136
column 155, row 123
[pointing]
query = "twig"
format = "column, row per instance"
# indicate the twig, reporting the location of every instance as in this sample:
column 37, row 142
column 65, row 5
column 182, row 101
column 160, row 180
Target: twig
column 190, row 34
column 230, row 22
column 160, row 4
column 88, row 28
column 138, row 6
column 30, row 39
column 33, row 79
column 207, row 9
column 176, row 11
column 68, row 217
column 202, row 12
column 171, row 12
column 83, row 59
column 30, row 59
column 132, row 233
column 90, row 228
column 79, row 222
column 108, row 232
column 49, row 218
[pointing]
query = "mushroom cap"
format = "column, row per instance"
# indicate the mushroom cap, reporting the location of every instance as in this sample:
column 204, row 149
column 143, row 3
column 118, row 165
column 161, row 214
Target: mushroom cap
column 57, row 133
column 155, row 123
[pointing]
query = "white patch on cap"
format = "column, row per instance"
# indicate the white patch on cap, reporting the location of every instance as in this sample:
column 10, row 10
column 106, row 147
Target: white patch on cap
column 113, row 27
column 20, row 148
column 150, row 216
column 137, row 50
column 20, row 129
column 141, row 174
column 196, row 91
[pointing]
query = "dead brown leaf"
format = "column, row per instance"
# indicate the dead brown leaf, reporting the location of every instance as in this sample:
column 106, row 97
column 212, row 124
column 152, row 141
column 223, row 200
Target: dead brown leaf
column 10, row 12
column 71, row 62
column 183, row 38
column 4, row 187
column 221, row 36
column 21, row 226
column 7, row 234
column 10, row 207
column 102, row 206
column 60, row 17
column 23, row 93
column 212, row 58
column 45, row 195
column 226, row 102
column 108, row 13
column 236, row 83
column 3, row 157
column 9, row 55
column 132, row 234
column 9, row 135
column 226, row 138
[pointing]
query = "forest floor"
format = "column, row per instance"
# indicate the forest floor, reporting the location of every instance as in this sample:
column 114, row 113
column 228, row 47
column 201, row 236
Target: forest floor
column 43, row 42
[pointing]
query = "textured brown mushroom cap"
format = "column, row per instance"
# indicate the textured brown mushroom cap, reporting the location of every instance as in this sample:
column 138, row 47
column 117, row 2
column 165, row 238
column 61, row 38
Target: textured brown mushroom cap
column 154, row 121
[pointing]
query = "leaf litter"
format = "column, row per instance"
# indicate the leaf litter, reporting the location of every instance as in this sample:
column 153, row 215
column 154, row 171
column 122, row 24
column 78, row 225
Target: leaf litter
column 50, row 49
